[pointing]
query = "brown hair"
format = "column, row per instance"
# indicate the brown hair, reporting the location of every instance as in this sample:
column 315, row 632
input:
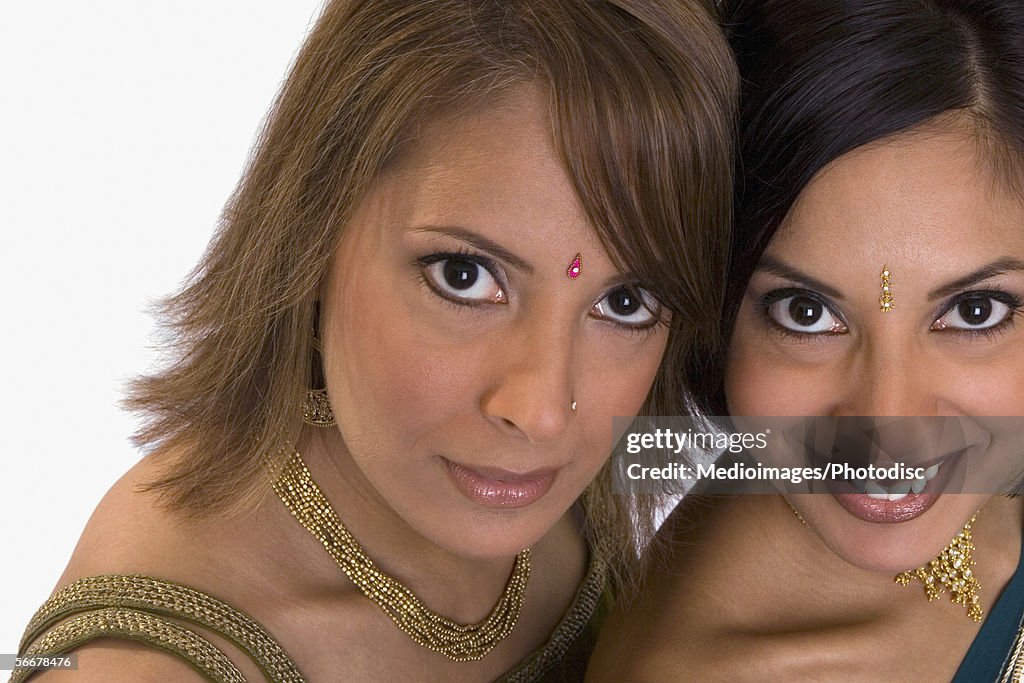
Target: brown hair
column 642, row 95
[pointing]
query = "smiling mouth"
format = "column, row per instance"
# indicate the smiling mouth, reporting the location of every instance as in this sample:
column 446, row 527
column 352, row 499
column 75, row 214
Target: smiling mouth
column 893, row 501
column 896, row 490
column 498, row 488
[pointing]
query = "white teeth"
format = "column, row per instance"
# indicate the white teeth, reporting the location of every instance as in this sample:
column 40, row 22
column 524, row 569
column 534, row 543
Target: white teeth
column 888, row 496
column 898, row 490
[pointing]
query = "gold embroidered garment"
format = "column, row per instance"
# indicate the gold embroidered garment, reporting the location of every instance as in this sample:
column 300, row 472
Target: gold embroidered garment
column 1014, row 670
column 158, row 613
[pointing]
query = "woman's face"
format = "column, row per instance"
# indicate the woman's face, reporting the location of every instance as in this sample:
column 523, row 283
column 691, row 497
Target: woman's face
column 811, row 338
column 455, row 343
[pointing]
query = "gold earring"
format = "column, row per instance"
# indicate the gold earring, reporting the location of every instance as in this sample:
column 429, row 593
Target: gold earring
column 316, row 408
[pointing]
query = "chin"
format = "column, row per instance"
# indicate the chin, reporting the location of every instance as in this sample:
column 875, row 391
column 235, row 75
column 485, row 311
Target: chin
column 490, row 539
column 490, row 551
column 889, row 548
column 883, row 553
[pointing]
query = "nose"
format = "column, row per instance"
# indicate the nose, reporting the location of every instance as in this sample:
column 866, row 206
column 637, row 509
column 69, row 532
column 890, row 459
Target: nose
column 530, row 394
column 891, row 380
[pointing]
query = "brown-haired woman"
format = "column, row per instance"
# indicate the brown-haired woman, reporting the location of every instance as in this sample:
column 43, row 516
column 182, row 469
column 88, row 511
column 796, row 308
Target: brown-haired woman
column 488, row 227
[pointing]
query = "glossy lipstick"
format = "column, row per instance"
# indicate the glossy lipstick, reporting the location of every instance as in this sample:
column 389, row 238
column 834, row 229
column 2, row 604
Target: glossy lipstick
column 869, row 509
column 497, row 488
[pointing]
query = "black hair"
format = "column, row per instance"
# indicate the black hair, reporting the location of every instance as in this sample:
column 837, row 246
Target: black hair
column 823, row 77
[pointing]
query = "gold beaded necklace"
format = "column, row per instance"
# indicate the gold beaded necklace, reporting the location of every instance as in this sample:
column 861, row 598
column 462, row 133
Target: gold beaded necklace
column 459, row 642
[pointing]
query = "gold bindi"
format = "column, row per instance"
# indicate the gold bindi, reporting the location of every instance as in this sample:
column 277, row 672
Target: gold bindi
column 886, row 301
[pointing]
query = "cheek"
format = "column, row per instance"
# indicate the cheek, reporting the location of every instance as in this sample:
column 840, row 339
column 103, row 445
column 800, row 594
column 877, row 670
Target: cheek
column 993, row 388
column 616, row 381
column 397, row 379
column 749, row 381
column 761, row 380
column 612, row 383
column 740, row 370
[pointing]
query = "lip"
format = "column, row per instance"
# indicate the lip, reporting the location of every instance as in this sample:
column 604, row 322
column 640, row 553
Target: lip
column 914, row 505
column 494, row 487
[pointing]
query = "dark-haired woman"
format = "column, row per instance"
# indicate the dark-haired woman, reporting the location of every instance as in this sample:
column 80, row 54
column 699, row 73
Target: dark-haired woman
column 878, row 271
column 380, row 452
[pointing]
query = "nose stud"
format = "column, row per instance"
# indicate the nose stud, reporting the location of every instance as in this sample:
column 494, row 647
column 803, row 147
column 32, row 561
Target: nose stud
column 886, row 301
column 575, row 268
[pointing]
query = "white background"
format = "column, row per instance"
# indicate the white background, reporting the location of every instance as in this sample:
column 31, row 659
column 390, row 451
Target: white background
column 124, row 126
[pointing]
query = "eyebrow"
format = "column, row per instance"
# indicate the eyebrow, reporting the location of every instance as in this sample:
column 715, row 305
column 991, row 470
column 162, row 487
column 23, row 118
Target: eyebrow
column 770, row 265
column 480, row 242
column 999, row 267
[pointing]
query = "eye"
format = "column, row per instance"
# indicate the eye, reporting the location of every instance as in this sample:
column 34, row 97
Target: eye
column 800, row 311
column 463, row 279
column 977, row 311
column 629, row 306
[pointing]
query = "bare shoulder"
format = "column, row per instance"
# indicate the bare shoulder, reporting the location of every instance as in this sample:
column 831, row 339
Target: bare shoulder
column 131, row 532
column 645, row 668
column 730, row 656
column 678, row 626
column 221, row 556
column 107, row 660
column 239, row 558
column 654, row 637
column 128, row 531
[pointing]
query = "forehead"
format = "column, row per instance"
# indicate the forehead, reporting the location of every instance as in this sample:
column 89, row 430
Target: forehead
column 494, row 166
column 924, row 199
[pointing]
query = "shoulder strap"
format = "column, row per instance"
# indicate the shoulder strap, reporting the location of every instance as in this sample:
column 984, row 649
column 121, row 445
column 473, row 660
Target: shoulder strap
column 1014, row 668
column 139, row 626
column 158, row 598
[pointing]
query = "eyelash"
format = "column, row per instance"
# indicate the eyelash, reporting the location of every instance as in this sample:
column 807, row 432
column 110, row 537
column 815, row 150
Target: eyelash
column 1014, row 303
column 777, row 295
column 641, row 331
column 484, row 262
column 494, row 270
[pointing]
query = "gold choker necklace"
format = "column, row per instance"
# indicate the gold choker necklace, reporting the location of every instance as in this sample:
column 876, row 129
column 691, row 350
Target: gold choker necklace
column 460, row 642
column 950, row 570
